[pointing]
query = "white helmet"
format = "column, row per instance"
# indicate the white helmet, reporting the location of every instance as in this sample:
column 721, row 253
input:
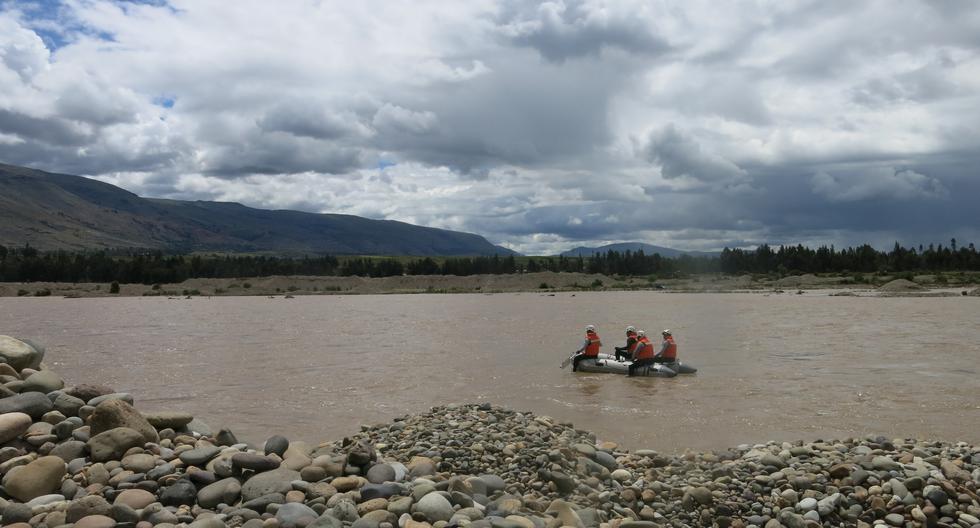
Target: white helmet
column 641, row 333
column 630, row 328
column 590, row 328
column 666, row 331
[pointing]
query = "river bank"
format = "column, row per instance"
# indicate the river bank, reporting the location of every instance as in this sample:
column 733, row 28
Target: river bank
column 547, row 282
column 85, row 455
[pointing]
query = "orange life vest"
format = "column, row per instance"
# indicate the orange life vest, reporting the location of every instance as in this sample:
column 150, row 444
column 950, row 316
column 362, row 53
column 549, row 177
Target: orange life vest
column 671, row 352
column 644, row 348
column 632, row 345
column 592, row 349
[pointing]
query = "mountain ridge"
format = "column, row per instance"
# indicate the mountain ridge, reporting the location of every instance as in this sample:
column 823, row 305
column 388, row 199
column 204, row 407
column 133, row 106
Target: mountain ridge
column 53, row 211
column 649, row 249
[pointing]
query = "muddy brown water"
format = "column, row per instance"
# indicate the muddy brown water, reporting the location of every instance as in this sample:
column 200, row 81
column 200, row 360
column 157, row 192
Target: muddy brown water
column 772, row 367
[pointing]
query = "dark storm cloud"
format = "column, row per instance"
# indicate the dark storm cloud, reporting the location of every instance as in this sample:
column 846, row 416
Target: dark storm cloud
column 52, row 130
column 681, row 156
column 310, row 120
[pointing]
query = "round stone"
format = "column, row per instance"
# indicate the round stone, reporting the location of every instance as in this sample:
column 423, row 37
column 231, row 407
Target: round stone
column 12, row 425
column 40, row 477
column 136, row 499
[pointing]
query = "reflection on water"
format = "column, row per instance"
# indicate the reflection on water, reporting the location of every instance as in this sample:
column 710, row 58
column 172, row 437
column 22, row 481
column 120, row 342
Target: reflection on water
column 315, row 368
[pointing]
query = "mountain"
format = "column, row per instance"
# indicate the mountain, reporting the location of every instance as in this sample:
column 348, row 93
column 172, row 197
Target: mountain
column 649, row 249
column 60, row 211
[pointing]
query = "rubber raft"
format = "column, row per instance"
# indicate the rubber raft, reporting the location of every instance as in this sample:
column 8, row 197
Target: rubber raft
column 608, row 364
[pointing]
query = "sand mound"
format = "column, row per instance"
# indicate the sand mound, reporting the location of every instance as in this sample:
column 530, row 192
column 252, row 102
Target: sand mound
column 900, row 285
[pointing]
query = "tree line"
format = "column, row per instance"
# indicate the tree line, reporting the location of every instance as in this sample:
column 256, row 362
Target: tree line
column 27, row 264
column 862, row 259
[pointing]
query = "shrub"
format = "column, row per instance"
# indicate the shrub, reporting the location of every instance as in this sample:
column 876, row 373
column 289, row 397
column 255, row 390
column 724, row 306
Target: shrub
column 42, row 293
column 292, row 288
column 543, row 286
column 114, row 287
column 156, row 287
column 247, row 285
column 597, row 283
column 21, row 293
column 219, row 291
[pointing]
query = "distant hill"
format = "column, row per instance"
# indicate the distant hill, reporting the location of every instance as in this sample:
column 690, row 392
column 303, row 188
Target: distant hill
column 60, row 211
column 649, row 249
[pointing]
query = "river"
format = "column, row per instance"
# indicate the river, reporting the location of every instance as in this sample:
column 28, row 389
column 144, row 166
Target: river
column 772, row 367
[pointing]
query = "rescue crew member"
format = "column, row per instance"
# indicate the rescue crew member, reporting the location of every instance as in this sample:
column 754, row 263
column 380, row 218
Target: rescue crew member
column 626, row 352
column 590, row 347
column 644, row 353
column 668, row 349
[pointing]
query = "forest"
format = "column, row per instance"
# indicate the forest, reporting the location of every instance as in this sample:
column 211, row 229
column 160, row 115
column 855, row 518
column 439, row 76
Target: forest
column 27, row 264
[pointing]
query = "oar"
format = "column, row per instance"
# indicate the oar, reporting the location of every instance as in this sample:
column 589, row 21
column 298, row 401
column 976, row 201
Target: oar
column 567, row 361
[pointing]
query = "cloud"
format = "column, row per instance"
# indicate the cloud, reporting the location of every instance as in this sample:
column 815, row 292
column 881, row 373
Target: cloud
column 681, row 157
column 878, row 183
column 536, row 124
column 563, row 30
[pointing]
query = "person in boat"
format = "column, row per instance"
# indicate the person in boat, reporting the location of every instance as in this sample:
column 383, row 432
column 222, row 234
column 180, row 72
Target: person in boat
column 626, row 352
column 590, row 347
column 643, row 354
column 668, row 349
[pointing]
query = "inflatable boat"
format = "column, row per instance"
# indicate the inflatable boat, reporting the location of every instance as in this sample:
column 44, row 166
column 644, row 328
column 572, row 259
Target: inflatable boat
column 606, row 363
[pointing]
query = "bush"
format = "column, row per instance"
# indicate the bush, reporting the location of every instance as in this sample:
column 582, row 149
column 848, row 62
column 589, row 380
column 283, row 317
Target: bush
column 42, row 293
column 597, row 283
column 21, row 293
column 114, row 287
column 219, row 291
column 247, row 285
column 292, row 288
column 156, row 287
column 543, row 286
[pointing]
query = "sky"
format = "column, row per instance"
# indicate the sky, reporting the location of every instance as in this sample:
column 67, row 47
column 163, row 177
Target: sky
column 540, row 125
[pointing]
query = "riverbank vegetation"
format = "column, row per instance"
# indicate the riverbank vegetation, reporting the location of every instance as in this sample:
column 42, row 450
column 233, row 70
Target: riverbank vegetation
column 26, row 264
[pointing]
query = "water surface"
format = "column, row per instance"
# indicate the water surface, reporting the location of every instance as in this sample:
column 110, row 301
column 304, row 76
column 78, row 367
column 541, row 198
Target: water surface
column 780, row 367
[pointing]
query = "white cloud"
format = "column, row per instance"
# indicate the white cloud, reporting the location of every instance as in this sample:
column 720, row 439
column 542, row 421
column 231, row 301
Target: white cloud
column 508, row 118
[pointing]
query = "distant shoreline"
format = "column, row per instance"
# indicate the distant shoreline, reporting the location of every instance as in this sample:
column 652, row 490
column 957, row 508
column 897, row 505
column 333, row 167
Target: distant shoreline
column 541, row 282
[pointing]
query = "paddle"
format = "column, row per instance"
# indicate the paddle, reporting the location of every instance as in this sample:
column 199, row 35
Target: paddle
column 568, row 361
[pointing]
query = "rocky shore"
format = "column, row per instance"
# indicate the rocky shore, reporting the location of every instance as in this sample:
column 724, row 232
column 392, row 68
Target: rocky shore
column 84, row 456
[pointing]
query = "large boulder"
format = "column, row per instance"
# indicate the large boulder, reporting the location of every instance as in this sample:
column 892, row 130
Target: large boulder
column 34, row 404
column 41, row 477
column 113, row 444
column 111, row 414
column 19, row 354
